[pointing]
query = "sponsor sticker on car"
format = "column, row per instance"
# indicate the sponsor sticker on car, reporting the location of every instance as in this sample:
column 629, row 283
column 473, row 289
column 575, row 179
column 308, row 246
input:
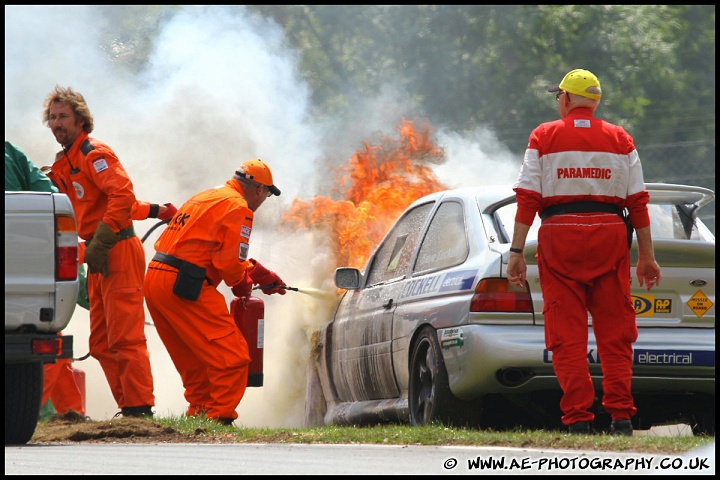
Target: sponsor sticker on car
column 452, row 337
column 699, row 303
column 649, row 305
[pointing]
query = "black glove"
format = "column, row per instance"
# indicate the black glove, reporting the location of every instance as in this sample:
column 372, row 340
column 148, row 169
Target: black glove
column 97, row 252
column 269, row 281
column 243, row 288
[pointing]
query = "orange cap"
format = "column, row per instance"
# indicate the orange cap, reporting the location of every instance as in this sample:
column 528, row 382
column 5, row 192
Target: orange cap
column 258, row 171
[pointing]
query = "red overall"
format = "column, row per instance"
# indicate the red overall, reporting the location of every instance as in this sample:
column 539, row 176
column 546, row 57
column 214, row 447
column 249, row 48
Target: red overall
column 583, row 258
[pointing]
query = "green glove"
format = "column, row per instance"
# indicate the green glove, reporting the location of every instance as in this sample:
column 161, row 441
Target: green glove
column 97, row 253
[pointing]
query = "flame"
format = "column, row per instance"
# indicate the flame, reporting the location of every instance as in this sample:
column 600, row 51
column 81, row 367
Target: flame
column 375, row 187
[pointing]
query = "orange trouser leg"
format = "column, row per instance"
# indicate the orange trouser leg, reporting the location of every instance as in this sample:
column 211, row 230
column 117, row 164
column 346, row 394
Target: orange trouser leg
column 582, row 262
column 59, row 386
column 204, row 343
column 50, row 376
column 66, row 394
column 117, row 325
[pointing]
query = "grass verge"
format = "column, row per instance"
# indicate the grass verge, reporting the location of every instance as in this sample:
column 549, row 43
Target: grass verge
column 394, row 434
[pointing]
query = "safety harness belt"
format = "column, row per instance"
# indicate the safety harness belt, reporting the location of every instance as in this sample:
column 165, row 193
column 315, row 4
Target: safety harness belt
column 580, row 207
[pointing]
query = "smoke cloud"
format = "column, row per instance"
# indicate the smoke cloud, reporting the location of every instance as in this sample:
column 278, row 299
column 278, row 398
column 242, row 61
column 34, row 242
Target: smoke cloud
column 221, row 86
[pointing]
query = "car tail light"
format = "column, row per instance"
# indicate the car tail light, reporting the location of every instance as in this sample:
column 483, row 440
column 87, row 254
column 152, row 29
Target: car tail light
column 66, row 248
column 497, row 295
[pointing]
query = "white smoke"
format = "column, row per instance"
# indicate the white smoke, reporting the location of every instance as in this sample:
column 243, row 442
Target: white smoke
column 220, row 87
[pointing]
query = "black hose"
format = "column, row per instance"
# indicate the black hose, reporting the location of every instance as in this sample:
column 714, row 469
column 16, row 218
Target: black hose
column 152, row 229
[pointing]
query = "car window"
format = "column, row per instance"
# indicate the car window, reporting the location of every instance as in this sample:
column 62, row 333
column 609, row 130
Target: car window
column 445, row 243
column 505, row 219
column 673, row 221
column 667, row 221
column 392, row 258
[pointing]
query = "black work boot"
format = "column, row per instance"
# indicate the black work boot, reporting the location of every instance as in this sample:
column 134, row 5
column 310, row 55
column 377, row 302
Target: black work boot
column 621, row 427
column 579, row 428
column 143, row 411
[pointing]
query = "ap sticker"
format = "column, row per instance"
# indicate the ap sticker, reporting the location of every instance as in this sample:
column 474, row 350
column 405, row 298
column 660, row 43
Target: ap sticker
column 100, row 164
column 243, row 251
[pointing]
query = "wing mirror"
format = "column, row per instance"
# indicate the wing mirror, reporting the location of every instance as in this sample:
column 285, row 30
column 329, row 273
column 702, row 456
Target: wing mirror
column 347, row 278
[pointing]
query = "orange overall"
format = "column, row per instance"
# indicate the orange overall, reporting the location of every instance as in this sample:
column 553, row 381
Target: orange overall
column 60, row 387
column 211, row 231
column 100, row 190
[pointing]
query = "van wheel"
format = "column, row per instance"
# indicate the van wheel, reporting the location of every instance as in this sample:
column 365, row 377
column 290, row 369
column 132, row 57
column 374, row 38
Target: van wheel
column 23, row 393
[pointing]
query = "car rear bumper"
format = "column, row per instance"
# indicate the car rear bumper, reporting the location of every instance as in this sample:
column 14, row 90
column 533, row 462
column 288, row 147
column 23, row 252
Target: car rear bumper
column 483, row 359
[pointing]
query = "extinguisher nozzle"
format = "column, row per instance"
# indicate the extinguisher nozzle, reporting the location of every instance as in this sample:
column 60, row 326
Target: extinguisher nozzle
column 272, row 285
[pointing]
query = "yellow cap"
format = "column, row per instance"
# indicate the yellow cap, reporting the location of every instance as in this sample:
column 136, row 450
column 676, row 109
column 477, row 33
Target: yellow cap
column 580, row 82
column 258, row 171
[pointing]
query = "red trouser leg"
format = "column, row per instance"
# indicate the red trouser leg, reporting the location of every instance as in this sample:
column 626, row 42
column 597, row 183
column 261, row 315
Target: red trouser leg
column 566, row 335
column 117, row 325
column 203, row 341
column 615, row 331
column 583, row 262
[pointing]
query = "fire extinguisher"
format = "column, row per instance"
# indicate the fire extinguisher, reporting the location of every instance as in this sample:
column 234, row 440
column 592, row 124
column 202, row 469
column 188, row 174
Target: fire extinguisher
column 249, row 315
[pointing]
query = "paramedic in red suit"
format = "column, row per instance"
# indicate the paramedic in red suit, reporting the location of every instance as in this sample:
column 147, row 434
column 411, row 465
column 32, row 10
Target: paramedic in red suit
column 102, row 195
column 207, row 242
column 579, row 173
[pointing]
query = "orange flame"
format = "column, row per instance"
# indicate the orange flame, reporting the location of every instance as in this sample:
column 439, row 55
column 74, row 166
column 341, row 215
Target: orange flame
column 379, row 182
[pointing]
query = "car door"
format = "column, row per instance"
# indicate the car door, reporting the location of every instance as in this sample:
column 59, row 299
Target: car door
column 362, row 366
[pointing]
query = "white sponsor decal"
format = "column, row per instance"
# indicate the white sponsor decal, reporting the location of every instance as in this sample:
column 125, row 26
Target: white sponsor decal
column 79, row 190
column 245, row 231
column 100, row 164
column 243, row 251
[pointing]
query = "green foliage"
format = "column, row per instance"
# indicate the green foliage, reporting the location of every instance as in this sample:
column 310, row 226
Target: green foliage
column 462, row 67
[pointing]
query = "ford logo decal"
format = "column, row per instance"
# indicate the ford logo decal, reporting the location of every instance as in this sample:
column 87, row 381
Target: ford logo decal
column 698, row 283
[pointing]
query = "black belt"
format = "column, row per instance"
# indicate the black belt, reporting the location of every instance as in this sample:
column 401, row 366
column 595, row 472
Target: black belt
column 581, row 207
column 168, row 259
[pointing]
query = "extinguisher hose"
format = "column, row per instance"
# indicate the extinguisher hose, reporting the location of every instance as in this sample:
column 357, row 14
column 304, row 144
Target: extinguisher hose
column 152, row 229
column 274, row 285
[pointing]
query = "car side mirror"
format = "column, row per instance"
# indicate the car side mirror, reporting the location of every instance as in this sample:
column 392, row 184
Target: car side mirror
column 347, row 278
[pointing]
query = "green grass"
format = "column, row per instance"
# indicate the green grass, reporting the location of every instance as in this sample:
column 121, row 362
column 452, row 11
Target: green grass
column 394, row 434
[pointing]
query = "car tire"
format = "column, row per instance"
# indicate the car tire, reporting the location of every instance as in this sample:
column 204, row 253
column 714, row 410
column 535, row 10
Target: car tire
column 429, row 397
column 703, row 423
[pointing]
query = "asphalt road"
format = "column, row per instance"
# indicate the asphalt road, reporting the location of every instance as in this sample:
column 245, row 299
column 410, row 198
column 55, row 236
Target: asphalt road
column 291, row 459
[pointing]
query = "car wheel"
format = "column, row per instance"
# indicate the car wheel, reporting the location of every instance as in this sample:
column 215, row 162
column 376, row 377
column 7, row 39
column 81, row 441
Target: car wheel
column 429, row 395
column 703, row 423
